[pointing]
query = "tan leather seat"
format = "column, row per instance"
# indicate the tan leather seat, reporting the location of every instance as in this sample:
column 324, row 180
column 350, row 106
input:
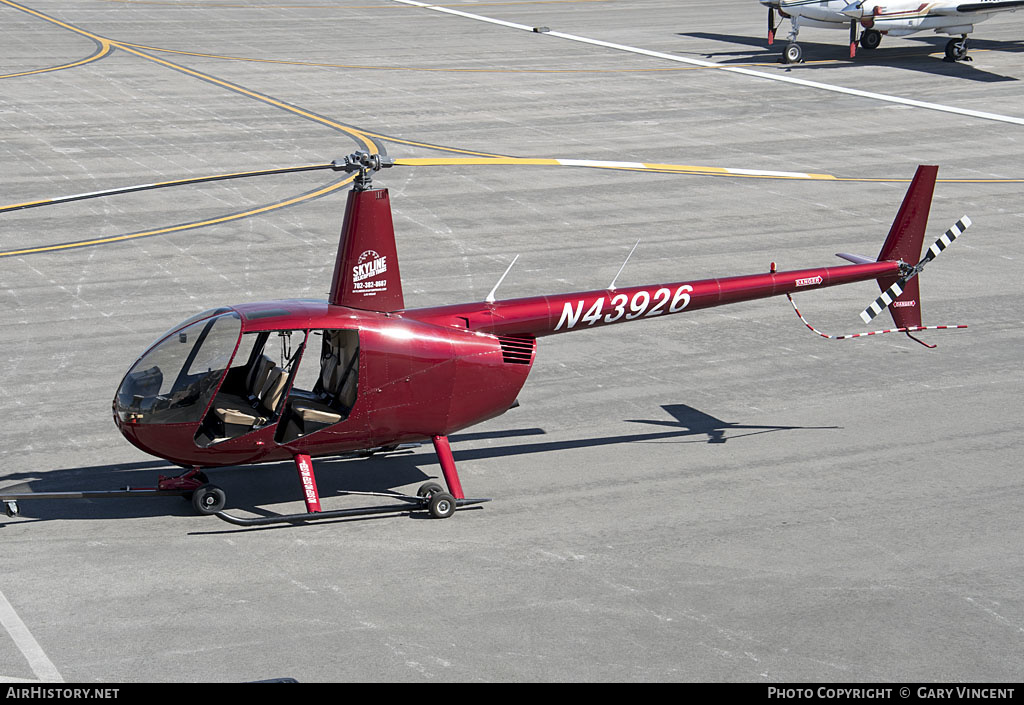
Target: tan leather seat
column 347, row 393
column 316, row 415
column 258, row 375
column 273, row 389
column 254, row 382
column 330, row 373
column 267, row 398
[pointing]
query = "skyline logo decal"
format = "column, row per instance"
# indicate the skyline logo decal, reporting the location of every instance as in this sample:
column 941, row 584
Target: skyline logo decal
column 369, row 275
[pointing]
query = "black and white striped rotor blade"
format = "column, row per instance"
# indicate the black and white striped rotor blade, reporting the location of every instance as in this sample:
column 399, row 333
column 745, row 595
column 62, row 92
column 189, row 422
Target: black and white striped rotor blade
column 947, row 238
column 880, row 304
column 894, row 291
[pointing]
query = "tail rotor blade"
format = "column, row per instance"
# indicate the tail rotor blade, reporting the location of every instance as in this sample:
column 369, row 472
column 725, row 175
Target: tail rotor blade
column 883, row 301
column 945, row 240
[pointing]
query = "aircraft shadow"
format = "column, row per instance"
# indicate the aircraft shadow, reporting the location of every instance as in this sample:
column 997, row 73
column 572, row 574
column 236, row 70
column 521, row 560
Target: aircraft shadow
column 250, row 488
column 835, row 55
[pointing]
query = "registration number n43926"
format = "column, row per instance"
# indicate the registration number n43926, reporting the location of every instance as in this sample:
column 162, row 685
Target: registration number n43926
column 621, row 307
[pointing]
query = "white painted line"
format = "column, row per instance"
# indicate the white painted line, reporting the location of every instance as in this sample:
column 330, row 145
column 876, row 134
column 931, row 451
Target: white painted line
column 609, row 165
column 761, row 172
column 26, row 643
column 732, row 69
column 450, row 11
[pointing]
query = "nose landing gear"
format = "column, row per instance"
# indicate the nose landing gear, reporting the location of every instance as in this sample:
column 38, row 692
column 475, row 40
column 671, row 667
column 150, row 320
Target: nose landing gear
column 956, row 50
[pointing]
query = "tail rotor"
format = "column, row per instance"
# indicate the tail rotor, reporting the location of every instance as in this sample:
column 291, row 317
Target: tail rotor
column 890, row 296
column 902, row 295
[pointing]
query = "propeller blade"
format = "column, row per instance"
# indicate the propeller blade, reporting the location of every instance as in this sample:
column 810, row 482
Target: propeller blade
column 771, row 25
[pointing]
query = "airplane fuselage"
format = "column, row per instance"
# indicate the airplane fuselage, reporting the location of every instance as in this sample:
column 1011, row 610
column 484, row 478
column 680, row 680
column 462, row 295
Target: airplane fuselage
column 893, row 18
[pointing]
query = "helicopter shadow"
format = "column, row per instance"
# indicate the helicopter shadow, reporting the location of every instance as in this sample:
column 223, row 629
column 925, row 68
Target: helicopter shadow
column 250, row 488
column 821, row 56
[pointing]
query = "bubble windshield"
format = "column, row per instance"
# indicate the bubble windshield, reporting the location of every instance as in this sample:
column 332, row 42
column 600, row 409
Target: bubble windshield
column 175, row 380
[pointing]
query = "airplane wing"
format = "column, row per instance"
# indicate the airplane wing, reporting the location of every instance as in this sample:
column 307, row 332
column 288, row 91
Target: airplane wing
column 999, row 6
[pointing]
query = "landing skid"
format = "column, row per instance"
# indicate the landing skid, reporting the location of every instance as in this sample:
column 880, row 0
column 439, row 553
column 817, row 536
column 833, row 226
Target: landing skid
column 440, row 505
column 439, row 500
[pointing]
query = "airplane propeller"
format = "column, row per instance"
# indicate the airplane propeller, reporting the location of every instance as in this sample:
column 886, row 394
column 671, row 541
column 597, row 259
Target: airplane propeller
column 894, row 291
column 771, row 25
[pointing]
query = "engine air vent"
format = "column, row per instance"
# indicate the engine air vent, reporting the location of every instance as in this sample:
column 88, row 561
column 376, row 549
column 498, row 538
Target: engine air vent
column 517, row 350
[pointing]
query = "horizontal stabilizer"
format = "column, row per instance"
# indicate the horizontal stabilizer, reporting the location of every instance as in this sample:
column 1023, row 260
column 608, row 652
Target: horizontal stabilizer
column 856, row 259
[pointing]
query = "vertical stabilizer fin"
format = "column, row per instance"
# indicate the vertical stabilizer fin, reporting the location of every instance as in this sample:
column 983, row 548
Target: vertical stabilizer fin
column 906, row 236
column 904, row 243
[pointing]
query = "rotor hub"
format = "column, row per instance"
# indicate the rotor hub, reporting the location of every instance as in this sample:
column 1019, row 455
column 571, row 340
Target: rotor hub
column 363, row 164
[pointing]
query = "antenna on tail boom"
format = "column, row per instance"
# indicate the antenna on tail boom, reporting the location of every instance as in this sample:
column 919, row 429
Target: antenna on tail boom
column 611, row 287
column 490, row 296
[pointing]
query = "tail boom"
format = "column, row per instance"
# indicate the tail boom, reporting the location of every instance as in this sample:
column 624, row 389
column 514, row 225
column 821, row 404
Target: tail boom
column 895, row 270
column 549, row 315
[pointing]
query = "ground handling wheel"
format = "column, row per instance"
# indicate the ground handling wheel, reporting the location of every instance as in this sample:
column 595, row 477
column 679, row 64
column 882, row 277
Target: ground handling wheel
column 441, row 505
column 208, row 499
column 429, row 489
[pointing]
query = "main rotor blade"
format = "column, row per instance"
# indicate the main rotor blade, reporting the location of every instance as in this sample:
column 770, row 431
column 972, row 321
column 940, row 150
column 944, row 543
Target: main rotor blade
column 598, row 164
column 161, row 184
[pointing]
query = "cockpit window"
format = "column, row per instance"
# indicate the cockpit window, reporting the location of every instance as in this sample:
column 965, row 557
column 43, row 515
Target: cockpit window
column 174, row 381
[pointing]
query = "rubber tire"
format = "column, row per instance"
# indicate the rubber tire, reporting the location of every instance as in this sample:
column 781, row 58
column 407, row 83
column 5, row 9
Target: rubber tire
column 442, row 505
column 870, row 39
column 793, row 54
column 208, row 499
column 428, row 489
column 956, row 49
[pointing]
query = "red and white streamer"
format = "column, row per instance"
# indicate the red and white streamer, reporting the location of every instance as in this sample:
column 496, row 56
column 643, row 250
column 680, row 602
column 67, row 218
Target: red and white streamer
column 908, row 329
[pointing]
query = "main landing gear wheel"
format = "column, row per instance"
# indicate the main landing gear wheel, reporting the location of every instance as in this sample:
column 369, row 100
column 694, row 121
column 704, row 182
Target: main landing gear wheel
column 793, row 54
column 442, row 505
column 870, row 39
column 208, row 499
column 956, row 50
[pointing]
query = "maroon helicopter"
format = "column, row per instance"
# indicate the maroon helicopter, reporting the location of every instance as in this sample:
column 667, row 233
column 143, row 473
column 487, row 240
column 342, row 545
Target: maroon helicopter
column 299, row 379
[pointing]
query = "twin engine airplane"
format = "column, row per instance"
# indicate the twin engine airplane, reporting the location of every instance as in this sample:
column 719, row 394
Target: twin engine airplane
column 896, row 18
column 360, row 372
